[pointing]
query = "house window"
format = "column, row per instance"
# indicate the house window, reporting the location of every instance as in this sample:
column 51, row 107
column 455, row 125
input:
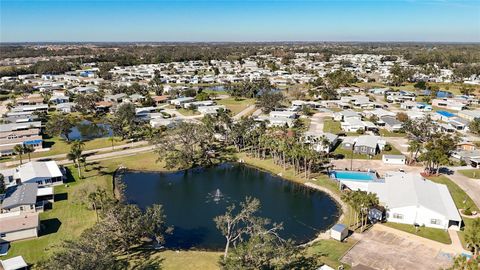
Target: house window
column 21, row 208
column 3, row 234
column 398, row 216
column 435, row 221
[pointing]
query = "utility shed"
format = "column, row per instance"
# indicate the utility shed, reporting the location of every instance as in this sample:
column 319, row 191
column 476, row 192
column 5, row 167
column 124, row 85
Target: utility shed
column 339, row 232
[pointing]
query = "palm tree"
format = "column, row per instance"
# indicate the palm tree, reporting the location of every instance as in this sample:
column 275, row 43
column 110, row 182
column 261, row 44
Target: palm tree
column 75, row 155
column 414, row 146
column 28, row 149
column 472, row 236
column 19, row 150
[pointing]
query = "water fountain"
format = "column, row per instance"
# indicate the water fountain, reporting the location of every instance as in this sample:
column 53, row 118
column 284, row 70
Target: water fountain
column 217, row 196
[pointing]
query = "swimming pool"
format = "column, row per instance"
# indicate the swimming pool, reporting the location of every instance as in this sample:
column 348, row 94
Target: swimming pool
column 354, row 176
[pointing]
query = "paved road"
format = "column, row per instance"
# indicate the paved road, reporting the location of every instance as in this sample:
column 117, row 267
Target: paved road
column 469, row 185
column 96, row 152
column 244, row 112
column 116, row 154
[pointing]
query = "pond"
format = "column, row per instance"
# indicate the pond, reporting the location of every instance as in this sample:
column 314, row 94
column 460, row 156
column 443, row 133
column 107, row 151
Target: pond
column 86, row 130
column 192, row 199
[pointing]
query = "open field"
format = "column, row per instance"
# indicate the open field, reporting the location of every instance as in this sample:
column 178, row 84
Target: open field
column 236, row 106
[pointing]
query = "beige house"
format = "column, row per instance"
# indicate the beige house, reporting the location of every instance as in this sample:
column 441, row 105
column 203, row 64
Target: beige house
column 17, row 226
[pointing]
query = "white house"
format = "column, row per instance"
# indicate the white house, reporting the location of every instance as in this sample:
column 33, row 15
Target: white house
column 181, row 101
column 394, row 159
column 316, row 140
column 44, row 173
column 411, row 199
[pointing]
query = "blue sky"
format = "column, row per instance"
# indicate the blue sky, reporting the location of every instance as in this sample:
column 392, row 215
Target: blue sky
column 247, row 20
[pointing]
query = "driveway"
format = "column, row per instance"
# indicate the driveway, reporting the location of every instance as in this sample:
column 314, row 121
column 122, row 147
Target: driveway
column 316, row 122
column 376, row 165
column 244, row 112
column 469, row 185
column 384, row 248
column 400, row 143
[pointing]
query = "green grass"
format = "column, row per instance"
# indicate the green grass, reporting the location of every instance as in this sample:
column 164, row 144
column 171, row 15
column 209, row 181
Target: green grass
column 461, row 234
column 186, row 112
column 438, row 235
column 331, row 251
column 472, row 173
column 60, row 146
column 190, row 260
column 348, row 153
column 386, row 133
column 69, row 212
column 461, row 199
column 332, row 126
column 236, row 106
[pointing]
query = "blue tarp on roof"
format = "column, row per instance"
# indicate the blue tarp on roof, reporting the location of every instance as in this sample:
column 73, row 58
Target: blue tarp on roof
column 446, row 114
column 33, row 142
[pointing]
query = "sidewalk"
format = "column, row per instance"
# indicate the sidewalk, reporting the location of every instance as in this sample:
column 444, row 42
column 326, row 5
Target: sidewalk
column 128, row 146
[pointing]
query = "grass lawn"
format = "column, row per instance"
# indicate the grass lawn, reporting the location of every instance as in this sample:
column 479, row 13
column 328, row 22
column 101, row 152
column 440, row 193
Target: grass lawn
column 331, row 250
column 236, row 106
column 68, row 218
column 186, row 112
column 332, row 126
column 190, row 260
column 461, row 234
column 348, row 153
column 60, row 146
column 386, row 133
column 438, row 235
column 461, row 199
column 472, row 173
column 270, row 166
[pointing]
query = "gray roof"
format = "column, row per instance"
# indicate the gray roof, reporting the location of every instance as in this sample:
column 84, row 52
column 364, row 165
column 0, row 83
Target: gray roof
column 367, row 140
column 349, row 113
column 17, row 126
column 339, row 227
column 24, row 194
column 390, row 120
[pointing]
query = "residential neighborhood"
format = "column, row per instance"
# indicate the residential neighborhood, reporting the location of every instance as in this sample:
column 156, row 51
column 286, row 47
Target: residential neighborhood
column 184, row 135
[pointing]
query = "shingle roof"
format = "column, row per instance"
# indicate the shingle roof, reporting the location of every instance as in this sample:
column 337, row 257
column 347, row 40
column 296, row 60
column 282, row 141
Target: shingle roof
column 24, row 194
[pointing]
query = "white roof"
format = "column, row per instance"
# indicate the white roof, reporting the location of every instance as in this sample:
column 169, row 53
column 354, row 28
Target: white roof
column 14, row 263
column 411, row 189
column 34, row 169
column 45, row 191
